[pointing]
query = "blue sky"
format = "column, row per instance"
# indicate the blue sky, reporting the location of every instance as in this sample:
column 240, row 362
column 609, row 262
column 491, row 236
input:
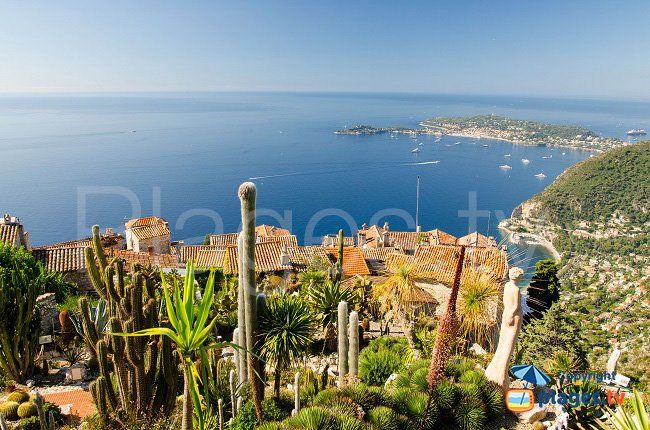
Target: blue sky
column 555, row 48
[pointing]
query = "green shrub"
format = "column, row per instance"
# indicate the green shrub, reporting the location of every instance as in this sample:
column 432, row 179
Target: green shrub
column 445, row 395
column 337, row 403
column 31, row 423
column 56, row 411
column 383, row 418
column 246, row 419
column 313, row 418
column 376, row 366
column 366, row 397
column 469, row 414
column 493, row 398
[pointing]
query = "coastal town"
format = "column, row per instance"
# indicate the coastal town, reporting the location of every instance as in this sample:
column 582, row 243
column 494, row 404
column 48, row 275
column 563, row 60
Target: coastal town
column 500, row 128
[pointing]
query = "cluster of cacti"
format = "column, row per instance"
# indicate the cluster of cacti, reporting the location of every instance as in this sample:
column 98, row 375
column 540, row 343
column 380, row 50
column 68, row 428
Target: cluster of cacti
column 348, row 342
column 143, row 376
column 19, row 319
column 18, row 396
column 250, row 367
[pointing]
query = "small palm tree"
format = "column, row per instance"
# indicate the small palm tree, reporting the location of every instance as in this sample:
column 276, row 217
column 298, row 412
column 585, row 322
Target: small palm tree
column 478, row 306
column 325, row 299
column 286, row 331
column 396, row 294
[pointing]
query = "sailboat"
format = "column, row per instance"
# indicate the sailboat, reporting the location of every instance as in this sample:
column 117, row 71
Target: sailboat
column 416, row 150
column 507, row 155
column 540, row 175
column 505, row 167
column 525, row 161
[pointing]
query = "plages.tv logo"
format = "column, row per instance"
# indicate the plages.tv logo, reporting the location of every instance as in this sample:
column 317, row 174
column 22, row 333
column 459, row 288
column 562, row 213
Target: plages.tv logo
column 522, row 400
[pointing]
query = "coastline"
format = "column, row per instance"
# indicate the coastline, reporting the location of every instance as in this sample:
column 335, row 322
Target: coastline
column 531, row 239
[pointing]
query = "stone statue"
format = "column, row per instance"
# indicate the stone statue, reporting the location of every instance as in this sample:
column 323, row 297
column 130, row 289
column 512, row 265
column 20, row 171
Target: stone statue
column 613, row 360
column 497, row 370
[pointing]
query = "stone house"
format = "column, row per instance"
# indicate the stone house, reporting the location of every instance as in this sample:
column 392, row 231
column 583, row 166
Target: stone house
column 13, row 232
column 150, row 234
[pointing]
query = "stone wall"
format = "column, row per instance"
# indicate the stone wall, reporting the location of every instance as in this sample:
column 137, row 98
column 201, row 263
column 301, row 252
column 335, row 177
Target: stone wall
column 46, row 305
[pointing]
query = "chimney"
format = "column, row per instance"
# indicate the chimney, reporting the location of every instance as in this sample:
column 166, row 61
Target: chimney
column 109, row 231
column 385, row 237
column 285, row 259
column 386, row 226
column 364, row 226
column 151, row 251
column 362, row 240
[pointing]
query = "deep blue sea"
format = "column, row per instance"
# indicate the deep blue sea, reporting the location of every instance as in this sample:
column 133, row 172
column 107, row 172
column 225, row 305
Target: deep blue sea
column 70, row 161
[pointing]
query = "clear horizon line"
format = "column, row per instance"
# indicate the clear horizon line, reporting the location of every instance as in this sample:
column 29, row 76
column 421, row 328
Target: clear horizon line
column 341, row 92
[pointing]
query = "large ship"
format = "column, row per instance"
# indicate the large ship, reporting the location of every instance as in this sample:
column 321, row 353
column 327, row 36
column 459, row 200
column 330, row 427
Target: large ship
column 636, row 132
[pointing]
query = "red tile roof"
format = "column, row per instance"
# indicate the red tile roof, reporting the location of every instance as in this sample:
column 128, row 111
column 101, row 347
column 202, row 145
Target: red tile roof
column 267, row 258
column 226, row 239
column 438, row 262
column 143, row 222
column 476, row 239
column 303, row 256
column 439, row 237
column 209, row 258
column 9, row 233
column 61, row 259
column 150, row 231
column 289, row 240
column 270, row 231
column 189, row 252
column 353, row 261
column 144, row 258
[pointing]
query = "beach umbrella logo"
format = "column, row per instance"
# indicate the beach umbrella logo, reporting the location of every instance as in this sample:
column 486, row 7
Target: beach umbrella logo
column 523, row 400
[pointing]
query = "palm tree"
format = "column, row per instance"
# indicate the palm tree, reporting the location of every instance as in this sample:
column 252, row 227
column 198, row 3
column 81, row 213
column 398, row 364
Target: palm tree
column 325, row 299
column 397, row 293
column 478, row 306
column 286, row 331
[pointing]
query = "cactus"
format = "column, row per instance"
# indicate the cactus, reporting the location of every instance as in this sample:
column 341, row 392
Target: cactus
column 51, row 422
column 233, row 393
column 27, row 409
column 98, row 391
column 220, row 408
column 39, row 401
column 3, row 423
column 343, row 341
column 18, row 396
column 236, row 357
column 338, row 267
column 10, row 410
column 296, row 392
column 353, row 353
column 143, row 377
column 247, row 288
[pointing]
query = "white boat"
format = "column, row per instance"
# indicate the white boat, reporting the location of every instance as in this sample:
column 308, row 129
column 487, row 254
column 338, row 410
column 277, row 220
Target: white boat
column 507, row 155
column 545, row 157
column 636, row 132
column 416, row 150
column 457, row 143
column 485, row 146
column 420, row 144
column 540, row 175
column 438, row 139
column 505, row 167
column 525, row 161
column 564, row 153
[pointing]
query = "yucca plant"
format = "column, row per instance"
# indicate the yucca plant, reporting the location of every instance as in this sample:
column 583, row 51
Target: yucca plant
column 478, row 306
column 189, row 333
column 325, row 299
column 624, row 420
column 286, row 332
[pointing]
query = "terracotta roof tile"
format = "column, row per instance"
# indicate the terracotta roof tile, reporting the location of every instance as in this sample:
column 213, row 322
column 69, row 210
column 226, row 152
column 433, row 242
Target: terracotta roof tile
column 376, row 257
column 208, row 258
column 225, row 239
column 353, row 261
column 9, row 233
column 270, row 231
column 142, row 222
column 289, row 240
column 189, row 252
column 108, row 240
column 149, row 231
column 476, row 239
column 61, row 259
column 303, row 256
column 267, row 258
column 438, row 262
column 439, row 237
column 406, row 240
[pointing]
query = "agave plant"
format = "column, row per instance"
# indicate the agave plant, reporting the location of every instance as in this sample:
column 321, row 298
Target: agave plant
column 98, row 315
column 325, row 299
column 478, row 306
column 624, row 420
column 189, row 333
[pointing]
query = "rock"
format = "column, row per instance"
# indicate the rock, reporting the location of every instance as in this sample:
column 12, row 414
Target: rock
column 477, row 349
column 390, row 379
column 547, row 424
column 536, row 414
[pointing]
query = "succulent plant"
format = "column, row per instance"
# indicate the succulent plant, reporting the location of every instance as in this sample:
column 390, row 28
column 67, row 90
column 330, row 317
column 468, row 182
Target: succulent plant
column 383, row 418
column 10, row 410
column 313, row 418
column 27, row 409
column 18, row 396
column 469, row 414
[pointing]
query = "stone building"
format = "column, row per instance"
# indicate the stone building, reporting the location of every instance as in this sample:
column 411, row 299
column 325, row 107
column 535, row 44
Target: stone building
column 12, row 231
column 150, row 234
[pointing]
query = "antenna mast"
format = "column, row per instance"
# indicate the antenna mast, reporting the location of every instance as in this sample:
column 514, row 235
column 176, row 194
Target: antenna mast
column 417, row 207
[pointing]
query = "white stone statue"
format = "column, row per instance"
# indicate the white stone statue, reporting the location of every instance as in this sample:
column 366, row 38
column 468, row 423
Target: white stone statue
column 497, row 370
column 613, row 359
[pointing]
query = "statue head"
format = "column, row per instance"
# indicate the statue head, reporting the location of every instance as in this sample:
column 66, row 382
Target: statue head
column 515, row 274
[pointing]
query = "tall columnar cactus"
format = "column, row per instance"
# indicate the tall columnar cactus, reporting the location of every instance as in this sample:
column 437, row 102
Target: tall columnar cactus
column 353, row 353
column 220, row 410
column 240, row 339
column 233, row 393
column 236, row 353
column 3, row 423
column 144, row 373
column 296, row 393
column 338, row 268
column 247, row 287
column 39, row 401
column 343, row 341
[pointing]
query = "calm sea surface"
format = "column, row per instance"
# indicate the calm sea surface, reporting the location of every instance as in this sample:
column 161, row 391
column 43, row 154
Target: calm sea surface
column 72, row 161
